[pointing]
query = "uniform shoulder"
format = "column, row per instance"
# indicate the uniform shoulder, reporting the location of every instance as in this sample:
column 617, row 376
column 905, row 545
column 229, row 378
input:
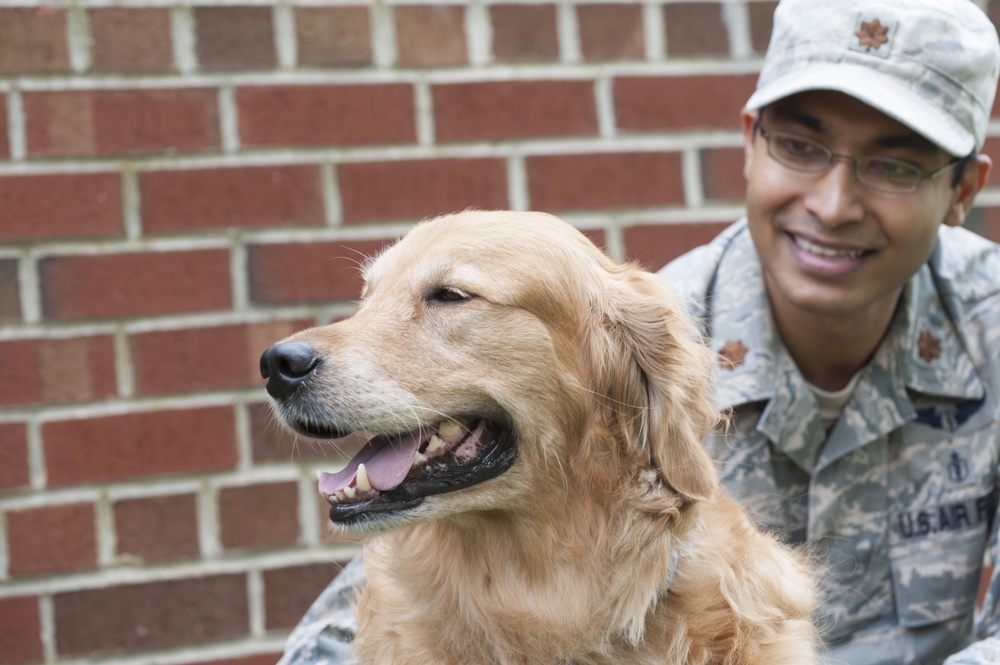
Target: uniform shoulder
column 692, row 272
column 966, row 265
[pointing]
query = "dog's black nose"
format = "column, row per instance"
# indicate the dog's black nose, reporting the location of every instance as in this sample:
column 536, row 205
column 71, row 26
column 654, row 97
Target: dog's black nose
column 286, row 366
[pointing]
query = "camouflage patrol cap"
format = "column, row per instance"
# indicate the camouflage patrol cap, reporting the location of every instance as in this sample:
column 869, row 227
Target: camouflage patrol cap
column 930, row 64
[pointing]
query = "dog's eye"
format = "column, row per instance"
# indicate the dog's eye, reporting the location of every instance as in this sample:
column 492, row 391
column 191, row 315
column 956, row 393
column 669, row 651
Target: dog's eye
column 447, row 294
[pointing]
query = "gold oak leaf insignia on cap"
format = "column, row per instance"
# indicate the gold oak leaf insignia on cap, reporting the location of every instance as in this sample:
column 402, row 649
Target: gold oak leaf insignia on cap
column 732, row 354
column 929, row 346
column 872, row 34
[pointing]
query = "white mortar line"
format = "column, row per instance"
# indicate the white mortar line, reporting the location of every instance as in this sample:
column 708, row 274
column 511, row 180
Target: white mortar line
column 654, row 31
column 78, row 39
column 229, row 130
column 383, row 35
column 568, row 32
column 16, row 125
column 182, row 35
column 285, row 45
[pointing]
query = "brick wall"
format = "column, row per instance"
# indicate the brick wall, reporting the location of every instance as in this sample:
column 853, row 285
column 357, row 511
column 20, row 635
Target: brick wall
column 182, row 184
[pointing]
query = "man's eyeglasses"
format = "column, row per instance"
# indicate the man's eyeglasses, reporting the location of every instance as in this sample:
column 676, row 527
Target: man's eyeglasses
column 883, row 174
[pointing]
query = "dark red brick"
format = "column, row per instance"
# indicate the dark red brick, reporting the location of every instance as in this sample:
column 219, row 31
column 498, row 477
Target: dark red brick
column 198, row 199
column 761, row 15
column 305, row 115
column 722, row 174
column 612, row 180
column 131, row 39
column 430, row 35
column 235, row 38
column 524, row 33
column 14, row 472
column 49, row 371
column 311, row 272
column 514, row 109
column 76, row 205
column 151, row 615
column 414, row 189
column 656, row 245
column 52, row 539
column 139, row 445
column 681, row 102
column 20, row 630
column 157, row 529
column 695, row 29
column 288, row 592
column 4, row 141
column 333, row 36
column 258, row 516
column 611, row 32
column 111, row 122
column 10, row 291
column 135, row 284
column 33, row 39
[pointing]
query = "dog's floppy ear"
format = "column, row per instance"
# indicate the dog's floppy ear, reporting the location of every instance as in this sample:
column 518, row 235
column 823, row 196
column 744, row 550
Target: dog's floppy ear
column 654, row 375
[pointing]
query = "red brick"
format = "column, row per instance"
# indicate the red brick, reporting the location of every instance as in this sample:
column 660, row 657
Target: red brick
column 722, row 174
column 139, row 445
column 157, row 529
column 611, row 32
column 131, row 39
column 986, row 222
column 695, row 29
column 14, row 472
column 151, row 615
column 52, row 539
column 110, row 122
column 33, row 40
column 288, row 592
column 415, row 189
column 10, row 291
column 681, row 102
column 196, row 359
column 514, row 109
column 311, row 272
column 48, row 207
column 613, row 180
column 761, row 15
column 48, row 371
column 656, row 245
column 235, row 38
column 524, row 33
column 431, row 35
column 242, row 197
column 135, row 284
column 304, row 115
column 272, row 442
column 4, row 141
column 333, row 36
column 259, row 515
column 20, row 630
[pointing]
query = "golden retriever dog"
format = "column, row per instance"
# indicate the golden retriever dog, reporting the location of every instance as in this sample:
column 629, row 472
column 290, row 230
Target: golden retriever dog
column 535, row 470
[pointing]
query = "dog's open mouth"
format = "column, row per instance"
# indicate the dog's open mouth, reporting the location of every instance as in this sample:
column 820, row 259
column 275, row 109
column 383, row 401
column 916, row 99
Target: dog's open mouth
column 394, row 473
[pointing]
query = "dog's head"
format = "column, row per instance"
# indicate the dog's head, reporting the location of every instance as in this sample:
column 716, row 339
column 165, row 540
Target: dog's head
column 495, row 356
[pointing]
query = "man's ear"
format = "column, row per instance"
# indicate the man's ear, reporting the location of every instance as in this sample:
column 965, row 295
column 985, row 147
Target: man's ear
column 748, row 121
column 975, row 177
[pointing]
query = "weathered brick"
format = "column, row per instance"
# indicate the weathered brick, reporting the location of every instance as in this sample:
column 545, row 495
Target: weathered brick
column 695, row 29
column 304, row 115
column 14, row 472
column 655, row 245
column 197, row 199
column 681, row 102
column 20, row 630
column 196, row 359
column 49, row 371
column 524, row 33
column 611, row 32
column 431, row 35
column 51, row 539
column 288, row 592
column 255, row 516
column 135, row 284
column 33, row 39
column 601, row 181
column 514, row 109
column 414, row 189
column 761, row 21
column 139, row 445
column 10, row 291
column 333, row 36
column 156, row 529
column 76, row 205
column 308, row 272
column 131, row 39
column 151, row 615
column 110, row 122
column 235, row 38
column 722, row 174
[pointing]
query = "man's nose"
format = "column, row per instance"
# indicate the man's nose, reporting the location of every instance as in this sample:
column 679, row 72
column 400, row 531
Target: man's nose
column 836, row 196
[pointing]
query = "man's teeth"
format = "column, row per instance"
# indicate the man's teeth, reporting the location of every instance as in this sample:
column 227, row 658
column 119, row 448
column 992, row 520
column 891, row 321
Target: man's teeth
column 827, row 251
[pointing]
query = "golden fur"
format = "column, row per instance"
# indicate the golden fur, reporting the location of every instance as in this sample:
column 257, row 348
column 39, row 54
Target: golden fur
column 563, row 558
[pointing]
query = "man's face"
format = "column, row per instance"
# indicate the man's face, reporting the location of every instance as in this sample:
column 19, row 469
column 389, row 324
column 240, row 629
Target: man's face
column 829, row 245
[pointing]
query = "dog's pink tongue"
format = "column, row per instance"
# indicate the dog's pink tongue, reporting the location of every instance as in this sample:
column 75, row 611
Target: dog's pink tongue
column 387, row 461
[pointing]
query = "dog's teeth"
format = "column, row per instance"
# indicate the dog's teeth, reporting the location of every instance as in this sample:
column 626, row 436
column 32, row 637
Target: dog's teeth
column 418, row 457
column 435, row 442
column 349, row 492
column 448, row 428
column 361, row 479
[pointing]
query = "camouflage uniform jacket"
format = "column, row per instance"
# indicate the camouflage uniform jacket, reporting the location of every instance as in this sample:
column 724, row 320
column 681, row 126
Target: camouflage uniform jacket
column 898, row 499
